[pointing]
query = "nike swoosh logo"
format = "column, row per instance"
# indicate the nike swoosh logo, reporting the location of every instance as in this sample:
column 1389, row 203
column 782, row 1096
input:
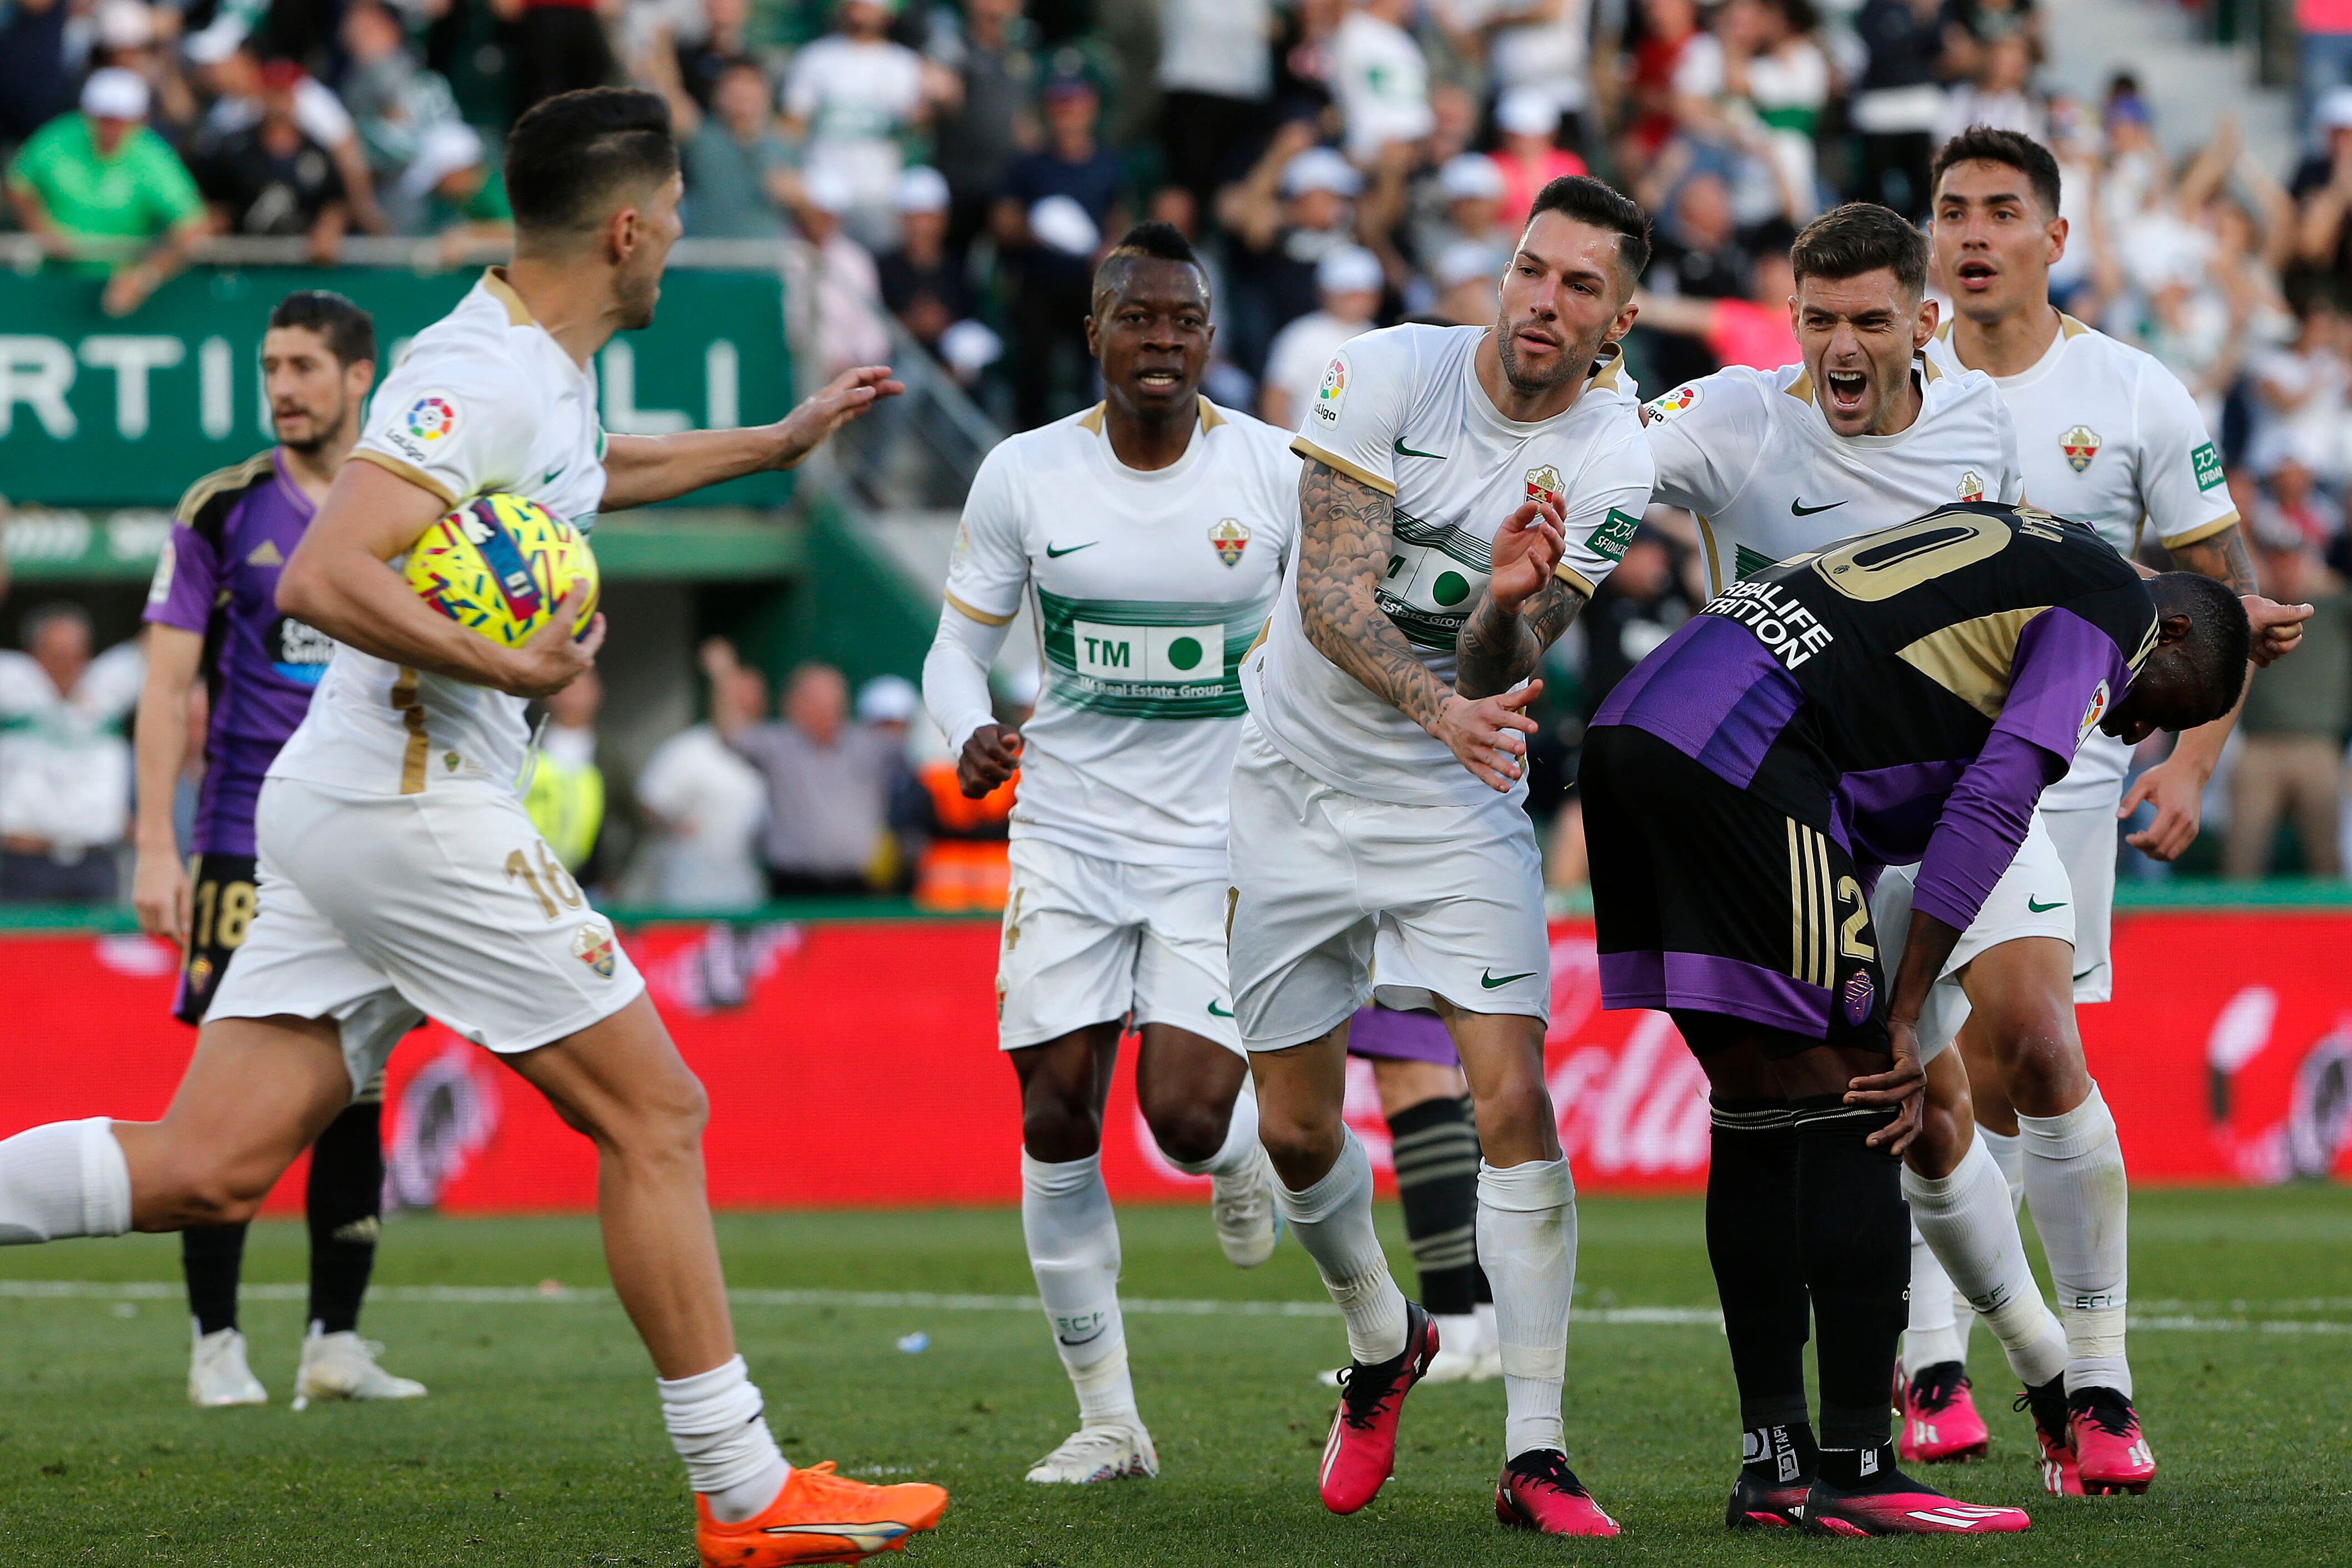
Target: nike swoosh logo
column 2088, row 973
column 1403, row 451
column 549, row 477
column 1217, row 1013
column 1798, row 509
column 1490, row 980
column 1053, row 553
column 2043, row 908
column 866, row 1535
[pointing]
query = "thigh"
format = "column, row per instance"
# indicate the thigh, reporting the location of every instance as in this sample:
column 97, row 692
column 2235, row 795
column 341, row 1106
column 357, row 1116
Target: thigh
column 618, row 1071
column 1298, row 941
column 1067, row 959
column 256, row 1092
column 1459, row 890
column 1180, row 962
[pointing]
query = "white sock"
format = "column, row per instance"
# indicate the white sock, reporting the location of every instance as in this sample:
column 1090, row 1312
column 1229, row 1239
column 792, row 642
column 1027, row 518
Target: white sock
column 68, row 1178
column 1966, row 1219
column 1333, row 1221
column 1930, row 1338
column 2082, row 1206
column 1526, row 1244
column 2009, row 1154
column 1072, row 1239
column 1238, row 1154
column 716, row 1426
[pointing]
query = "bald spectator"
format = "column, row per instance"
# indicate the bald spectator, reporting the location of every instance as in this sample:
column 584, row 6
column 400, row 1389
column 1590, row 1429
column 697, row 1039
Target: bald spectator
column 65, row 767
column 102, row 190
column 828, row 779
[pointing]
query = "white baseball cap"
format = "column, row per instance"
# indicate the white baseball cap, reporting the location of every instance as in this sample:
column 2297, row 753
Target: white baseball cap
column 922, row 188
column 1060, row 223
column 1471, row 174
column 124, row 25
column 215, row 43
column 1465, row 261
column 887, row 699
column 828, row 190
column 1350, row 269
column 444, row 148
column 1527, row 111
column 2335, row 110
column 113, row 93
column 1320, row 169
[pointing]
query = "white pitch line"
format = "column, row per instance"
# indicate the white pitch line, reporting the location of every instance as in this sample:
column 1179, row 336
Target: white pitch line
column 929, row 1300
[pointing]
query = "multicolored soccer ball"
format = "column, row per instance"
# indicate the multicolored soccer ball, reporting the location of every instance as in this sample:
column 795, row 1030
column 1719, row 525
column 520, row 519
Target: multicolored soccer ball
column 500, row 565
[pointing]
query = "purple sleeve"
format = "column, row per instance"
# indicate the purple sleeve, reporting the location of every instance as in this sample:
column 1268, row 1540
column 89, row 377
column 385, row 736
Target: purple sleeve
column 187, row 582
column 2061, row 665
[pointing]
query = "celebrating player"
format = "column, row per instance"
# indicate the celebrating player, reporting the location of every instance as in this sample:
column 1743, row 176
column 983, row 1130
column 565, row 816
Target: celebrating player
column 1465, row 488
column 1149, row 535
column 213, row 611
column 400, row 873
column 1904, row 695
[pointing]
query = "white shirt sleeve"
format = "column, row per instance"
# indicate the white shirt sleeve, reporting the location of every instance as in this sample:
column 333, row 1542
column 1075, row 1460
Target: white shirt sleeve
column 801, row 92
column 25, row 686
column 110, row 687
column 459, row 427
column 991, row 564
column 2182, row 489
column 2012, row 487
column 1605, row 507
column 1706, row 437
column 1352, row 421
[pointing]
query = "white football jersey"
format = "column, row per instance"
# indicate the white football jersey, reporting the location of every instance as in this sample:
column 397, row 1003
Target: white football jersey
column 1148, row 587
column 2110, row 437
column 1400, row 409
column 484, row 400
column 1750, row 455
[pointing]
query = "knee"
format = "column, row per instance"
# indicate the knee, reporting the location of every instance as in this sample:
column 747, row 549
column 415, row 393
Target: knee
column 1187, row 1130
column 1302, row 1142
column 661, row 1125
column 210, row 1199
column 1515, row 1124
column 2043, row 1066
column 1059, row 1127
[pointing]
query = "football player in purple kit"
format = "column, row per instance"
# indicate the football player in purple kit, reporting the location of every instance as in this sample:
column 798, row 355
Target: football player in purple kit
column 213, row 615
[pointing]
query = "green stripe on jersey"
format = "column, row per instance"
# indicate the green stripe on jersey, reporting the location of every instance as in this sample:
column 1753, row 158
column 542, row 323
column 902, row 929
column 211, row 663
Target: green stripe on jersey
column 1746, row 563
column 1140, row 658
column 1406, row 529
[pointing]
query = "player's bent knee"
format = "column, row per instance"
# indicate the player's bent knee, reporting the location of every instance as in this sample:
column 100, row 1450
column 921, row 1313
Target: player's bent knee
column 1517, row 1126
column 1058, row 1131
column 1187, row 1131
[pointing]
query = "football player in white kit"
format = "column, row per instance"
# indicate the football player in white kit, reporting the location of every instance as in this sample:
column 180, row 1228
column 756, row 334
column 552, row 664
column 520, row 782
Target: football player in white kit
column 1147, row 535
column 1465, row 488
column 400, row 873
column 2110, row 439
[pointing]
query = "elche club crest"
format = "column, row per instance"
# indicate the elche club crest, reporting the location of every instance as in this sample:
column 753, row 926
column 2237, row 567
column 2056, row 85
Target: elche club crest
column 592, row 945
column 1228, row 537
column 1545, row 483
column 2080, row 444
column 1971, row 488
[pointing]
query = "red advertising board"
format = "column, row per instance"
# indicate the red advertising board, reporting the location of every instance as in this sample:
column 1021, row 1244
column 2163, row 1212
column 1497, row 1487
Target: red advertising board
column 855, row 1063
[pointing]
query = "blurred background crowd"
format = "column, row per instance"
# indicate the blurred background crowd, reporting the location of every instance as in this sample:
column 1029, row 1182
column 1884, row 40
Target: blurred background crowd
column 953, row 169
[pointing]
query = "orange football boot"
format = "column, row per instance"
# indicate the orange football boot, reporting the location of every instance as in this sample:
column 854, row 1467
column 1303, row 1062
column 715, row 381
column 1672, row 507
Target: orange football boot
column 819, row 1517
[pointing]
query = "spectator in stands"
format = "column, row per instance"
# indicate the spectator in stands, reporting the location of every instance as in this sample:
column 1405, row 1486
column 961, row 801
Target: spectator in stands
column 1757, row 83
column 1380, row 79
column 269, row 179
column 1898, row 104
column 706, row 806
column 2293, row 728
column 723, row 43
column 231, row 70
column 847, row 292
column 1349, row 281
column 739, row 179
column 2322, row 189
column 981, row 129
column 2001, row 94
column 65, row 768
column 828, row 780
column 1471, row 192
column 1754, row 331
column 393, row 100
column 559, row 46
column 2301, row 395
column 1542, row 46
column 1528, row 150
column 458, row 195
column 1465, row 277
column 124, row 35
column 35, row 85
column 2289, row 502
column 1667, row 28
column 1293, row 210
column 922, row 283
column 101, row 189
column 850, row 95
column 2324, row 48
column 566, row 794
column 1061, row 206
column 1216, row 84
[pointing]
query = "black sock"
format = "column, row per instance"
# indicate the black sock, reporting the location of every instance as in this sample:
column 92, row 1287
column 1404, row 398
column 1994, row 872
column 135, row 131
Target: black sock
column 1778, row 1454
column 1435, row 1148
column 345, row 1198
column 212, row 1259
column 1855, row 1240
column 1864, row 1469
column 1751, row 1240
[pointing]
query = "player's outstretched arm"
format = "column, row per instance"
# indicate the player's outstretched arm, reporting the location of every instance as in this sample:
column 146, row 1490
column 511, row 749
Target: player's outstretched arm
column 1522, row 610
column 340, row 581
column 642, row 469
column 1346, row 531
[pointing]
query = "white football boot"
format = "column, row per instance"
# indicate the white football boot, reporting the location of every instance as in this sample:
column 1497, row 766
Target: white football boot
column 1248, row 1223
column 218, row 1376
column 1106, row 1453
column 342, row 1366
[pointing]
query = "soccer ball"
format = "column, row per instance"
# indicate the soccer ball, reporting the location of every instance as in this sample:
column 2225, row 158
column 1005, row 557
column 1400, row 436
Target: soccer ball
column 499, row 564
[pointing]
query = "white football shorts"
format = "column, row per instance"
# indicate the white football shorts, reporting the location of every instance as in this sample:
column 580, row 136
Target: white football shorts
column 2087, row 847
column 447, row 902
column 1338, row 899
column 1088, row 940
column 2032, row 898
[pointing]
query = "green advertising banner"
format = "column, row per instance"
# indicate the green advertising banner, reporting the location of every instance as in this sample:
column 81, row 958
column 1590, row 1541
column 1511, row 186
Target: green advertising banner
column 100, row 412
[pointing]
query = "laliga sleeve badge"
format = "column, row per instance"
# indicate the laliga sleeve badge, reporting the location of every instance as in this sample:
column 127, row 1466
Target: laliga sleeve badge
column 1229, row 537
column 592, row 945
column 1332, row 394
column 432, row 417
column 1675, row 403
column 2092, row 715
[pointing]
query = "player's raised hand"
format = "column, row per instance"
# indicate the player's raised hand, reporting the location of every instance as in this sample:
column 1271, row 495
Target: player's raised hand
column 992, row 755
column 1903, row 1086
column 159, row 896
column 2177, row 794
column 2277, row 627
column 1489, row 734
column 829, row 408
column 552, row 658
column 1527, row 549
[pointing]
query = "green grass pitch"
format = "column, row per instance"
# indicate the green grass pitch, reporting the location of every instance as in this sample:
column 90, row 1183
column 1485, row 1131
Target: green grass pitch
column 541, row 1443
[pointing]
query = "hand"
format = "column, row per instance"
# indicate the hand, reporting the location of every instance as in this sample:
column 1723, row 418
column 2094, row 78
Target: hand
column 992, row 755
column 127, row 290
column 159, row 894
column 552, row 659
column 2278, row 628
column 1489, row 735
column 717, row 657
column 2176, row 790
column 1903, row 1086
column 1528, row 548
column 843, row 399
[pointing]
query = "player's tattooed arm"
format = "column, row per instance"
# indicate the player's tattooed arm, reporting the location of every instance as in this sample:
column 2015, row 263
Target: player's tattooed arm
column 1345, row 537
column 2221, row 557
column 1500, row 648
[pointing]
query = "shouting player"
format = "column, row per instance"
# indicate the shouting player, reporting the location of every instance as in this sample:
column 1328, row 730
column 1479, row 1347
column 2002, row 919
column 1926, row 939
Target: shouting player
column 400, row 873
column 1149, row 536
column 2110, row 439
column 1904, row 695
column 213, row 611
column 1465, row 488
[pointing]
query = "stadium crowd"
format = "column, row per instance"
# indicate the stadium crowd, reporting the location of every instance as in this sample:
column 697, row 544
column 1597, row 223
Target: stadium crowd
column 1342, row 163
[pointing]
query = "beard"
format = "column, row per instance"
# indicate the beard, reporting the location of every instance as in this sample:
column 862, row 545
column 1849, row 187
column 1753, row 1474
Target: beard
column 1575, row 360
column 637, row 299
column 322, row 425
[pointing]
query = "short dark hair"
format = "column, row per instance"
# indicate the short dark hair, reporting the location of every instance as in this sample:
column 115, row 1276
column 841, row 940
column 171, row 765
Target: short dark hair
column 1149, row 241
column 2011, row 149
column 1859, row 238
column 348, row 332
column 571, row 154
column 2221, row 637
column 1588, row 201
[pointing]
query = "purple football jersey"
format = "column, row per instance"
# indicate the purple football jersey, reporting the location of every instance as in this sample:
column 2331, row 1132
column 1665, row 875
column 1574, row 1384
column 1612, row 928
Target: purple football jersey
column 218, row 577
